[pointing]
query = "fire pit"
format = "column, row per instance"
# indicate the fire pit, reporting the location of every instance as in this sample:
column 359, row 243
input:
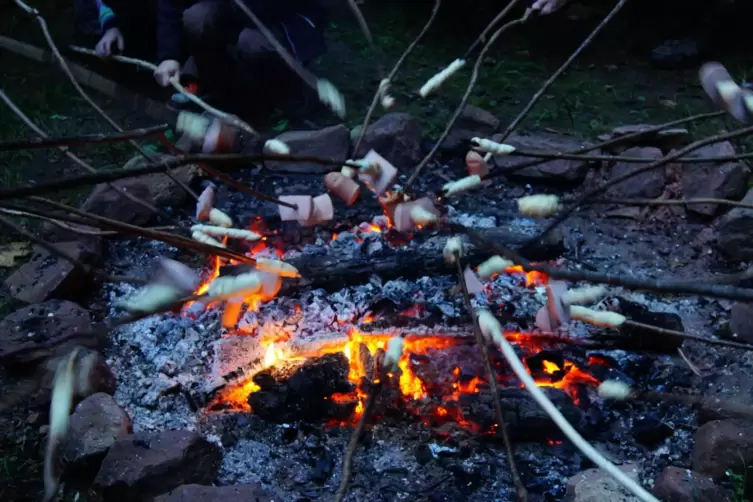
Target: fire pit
column 285, row 385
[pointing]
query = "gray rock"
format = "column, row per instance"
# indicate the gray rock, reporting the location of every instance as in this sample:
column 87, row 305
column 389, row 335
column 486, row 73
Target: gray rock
column 472, row 122
column 46, row 275
column 200, row 493
column 665, row 139
column 553, row 170
column 396, row 137
column 28, row 334
column 596, row 485
column 328, row 143
column 649, row 184
column 97, row 422
column 721, row 446
column 741, row 322
column 718, row 180
column 683, row 485
column 147, row 464
column 734, row 230
column 109, row 201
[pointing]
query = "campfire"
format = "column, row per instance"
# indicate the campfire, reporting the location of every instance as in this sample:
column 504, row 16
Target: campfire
column 424, row 392
column 427, row 327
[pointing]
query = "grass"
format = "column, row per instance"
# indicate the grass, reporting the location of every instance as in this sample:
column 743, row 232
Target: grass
column 599, row 92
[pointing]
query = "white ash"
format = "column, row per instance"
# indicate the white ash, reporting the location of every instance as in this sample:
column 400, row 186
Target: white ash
column 471, row 220
column 158, row 358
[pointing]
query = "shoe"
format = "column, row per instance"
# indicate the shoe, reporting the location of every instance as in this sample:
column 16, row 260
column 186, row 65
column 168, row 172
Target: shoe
column 180, row 102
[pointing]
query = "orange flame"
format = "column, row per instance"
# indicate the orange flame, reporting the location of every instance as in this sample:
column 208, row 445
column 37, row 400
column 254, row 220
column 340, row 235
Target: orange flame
column 533, row 278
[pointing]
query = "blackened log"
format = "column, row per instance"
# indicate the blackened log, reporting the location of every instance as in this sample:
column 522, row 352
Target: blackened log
column 336, row 270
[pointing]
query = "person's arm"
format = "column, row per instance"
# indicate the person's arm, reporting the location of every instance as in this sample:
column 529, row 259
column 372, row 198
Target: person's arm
column 106, row 16
column 93, row 16
column 169, row 30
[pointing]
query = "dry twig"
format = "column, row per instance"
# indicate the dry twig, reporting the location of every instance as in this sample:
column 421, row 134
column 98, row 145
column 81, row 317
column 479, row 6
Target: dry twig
column 520, row 489
column 85, row 139
column 563, row 215
column 535, row 99
column 393, row 73
column 670, row 287
column 466, row 96
column 238, row 161
column 368, row 409
column 611, row 142
column 64, row 65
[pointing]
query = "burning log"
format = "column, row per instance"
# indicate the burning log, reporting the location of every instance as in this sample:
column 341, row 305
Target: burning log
column 525, row 419
column 305, row 392
column 334, row 272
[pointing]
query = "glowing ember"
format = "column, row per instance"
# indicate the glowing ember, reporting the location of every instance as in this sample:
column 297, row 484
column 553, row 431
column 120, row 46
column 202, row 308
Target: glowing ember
column 569, row 378
column 533, row 278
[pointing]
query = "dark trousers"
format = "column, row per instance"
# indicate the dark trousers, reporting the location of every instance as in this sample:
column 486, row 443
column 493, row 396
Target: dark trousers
column 222, row 42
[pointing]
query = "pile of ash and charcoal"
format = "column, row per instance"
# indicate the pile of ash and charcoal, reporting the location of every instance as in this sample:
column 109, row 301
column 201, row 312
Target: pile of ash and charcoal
column 276, row 385
column 348, row 330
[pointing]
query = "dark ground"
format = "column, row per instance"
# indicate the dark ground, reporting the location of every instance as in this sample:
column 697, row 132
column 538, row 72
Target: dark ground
column 611, row 85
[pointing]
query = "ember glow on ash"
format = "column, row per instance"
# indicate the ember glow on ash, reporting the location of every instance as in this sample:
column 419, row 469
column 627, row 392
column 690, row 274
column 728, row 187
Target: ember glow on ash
column 363, row 349
column 533, row 278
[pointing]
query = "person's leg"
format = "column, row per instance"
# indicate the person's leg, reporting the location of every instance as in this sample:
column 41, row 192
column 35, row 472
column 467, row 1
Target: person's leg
column 210, row 28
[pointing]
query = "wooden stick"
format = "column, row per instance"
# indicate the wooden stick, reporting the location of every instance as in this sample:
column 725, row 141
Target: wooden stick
column 520, row 489
column 466, row 97
column 545, row 87
column 61, row 61
column 224, row 116
column 244, row 188
column 85, row 139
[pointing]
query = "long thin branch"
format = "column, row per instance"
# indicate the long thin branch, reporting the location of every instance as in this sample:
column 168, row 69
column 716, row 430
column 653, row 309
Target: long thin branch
column 520, row 489
column 64, row 65
column 31, row 125
column 367, row 34
column 669, row 287
column 481, row 39
column 244, row 188
column 65, row 226
column 224, row 116
column 606, row 144
column 368, row 409
column 686, row 336
column 168, row 238
column 564, row 214
column 549, row 155
column 55, row 250
column 392, row 74
column 535, row 99
column 229, row 162
column 85, row 139
column 466, row 96
column 671, row 202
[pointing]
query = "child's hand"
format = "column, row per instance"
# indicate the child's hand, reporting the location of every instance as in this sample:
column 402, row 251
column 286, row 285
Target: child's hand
column 548, row 6
column 112, row 38
column 166, row 71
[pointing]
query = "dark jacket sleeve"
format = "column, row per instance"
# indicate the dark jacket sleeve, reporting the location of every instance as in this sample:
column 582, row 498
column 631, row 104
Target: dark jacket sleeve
column 169, row 30
column 94, row 16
